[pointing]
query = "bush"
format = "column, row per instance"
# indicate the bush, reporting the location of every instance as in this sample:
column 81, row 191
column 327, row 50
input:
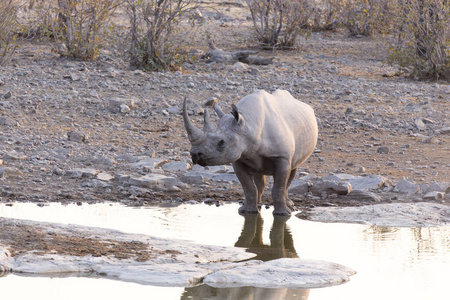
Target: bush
column 366, row 17
column 155, row 46
column 8, row 12
column 78, row 25
column 277, row 23
column 424, row 38
column 325, row 15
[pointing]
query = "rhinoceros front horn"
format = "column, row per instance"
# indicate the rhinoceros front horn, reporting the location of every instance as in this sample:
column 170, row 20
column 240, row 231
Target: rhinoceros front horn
column 194, row 134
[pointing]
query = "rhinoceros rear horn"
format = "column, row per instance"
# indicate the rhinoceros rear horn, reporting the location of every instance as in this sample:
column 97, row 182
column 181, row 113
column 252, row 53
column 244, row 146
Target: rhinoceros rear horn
column 208, row 127
column 194, row 134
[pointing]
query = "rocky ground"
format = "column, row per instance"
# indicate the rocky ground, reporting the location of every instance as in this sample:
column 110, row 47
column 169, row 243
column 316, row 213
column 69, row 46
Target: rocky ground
column 75, row 131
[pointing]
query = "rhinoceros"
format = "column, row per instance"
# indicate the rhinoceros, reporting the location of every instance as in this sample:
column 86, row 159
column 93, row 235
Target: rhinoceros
column 265, row 134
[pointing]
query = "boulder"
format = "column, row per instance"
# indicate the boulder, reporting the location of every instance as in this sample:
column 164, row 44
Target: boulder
column 434, row 195
column 371, row 182
column 299, row 187
column 363, row 196
column 338, row 187
column 406, row 186
column 294, row 273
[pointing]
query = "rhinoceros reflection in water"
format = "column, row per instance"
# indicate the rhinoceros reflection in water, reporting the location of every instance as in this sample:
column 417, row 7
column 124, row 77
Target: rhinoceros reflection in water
column 281, row 246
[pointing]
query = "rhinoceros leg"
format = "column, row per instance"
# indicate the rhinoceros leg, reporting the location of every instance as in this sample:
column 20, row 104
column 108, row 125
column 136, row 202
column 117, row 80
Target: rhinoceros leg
column 279, row 190
column 289, row 202
column 260, row 181
column 245, row 176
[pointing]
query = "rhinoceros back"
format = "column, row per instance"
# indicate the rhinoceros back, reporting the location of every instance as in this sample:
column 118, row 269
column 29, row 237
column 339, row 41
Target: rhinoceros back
column 283, row 125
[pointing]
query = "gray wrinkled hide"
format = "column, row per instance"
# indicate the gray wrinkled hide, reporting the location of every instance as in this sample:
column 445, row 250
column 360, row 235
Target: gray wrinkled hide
column 266, row 134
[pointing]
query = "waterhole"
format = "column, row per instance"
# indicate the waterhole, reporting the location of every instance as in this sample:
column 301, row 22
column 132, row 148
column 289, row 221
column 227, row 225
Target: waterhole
column 391, row 262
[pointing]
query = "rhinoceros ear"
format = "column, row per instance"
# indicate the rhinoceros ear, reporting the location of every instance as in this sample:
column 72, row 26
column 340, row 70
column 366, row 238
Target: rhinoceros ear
column 235, row 112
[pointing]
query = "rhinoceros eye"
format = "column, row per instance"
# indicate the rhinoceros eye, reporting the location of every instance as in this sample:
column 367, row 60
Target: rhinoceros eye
column 221, row 144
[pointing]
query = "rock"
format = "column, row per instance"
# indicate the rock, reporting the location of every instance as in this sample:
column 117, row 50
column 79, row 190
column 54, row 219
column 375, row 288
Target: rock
column 77, row 136
column 299, row 187
column 10, row 172
column 406, row 186
column 383, row 150
column 13, row 155
column 117, row 104
column 444, row 130
column 174, row 110
column 434, row 195
column 127, row 158
column 371, row 182
column 193, row 179
column 148, row 163
column 176, row 166
column 104, row 176
column 294, row 273
column 124, row 108
column 225, row 178
column 362, row 196
column 238, row 66
column 5, row 256
column 103, row 160
column 338, row 187
column 8, row 121
column 82, row 173
column 7, row 95
column 435, row 186
column 74, row 77
column 420, row 124
column 156, row 182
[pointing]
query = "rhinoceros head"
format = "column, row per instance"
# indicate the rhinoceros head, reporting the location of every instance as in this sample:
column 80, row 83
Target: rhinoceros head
column 213, row 145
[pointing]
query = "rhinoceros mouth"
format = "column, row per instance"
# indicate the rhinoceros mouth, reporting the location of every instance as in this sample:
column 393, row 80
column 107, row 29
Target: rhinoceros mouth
column 199, row 161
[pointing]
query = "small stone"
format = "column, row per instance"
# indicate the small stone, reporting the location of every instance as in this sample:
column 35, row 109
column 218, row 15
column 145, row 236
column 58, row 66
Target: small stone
column 82, row 173
column 104, row 176
column 116, row 104
column 420, row 124
column 444, row 130
column 77, row 136
column 7, row 95
column 383, row 150
column 6, row 121
column 13, row 155
column 361, row 169
column 238, row 66
column 9, row 173
column 74, row 77
column 124, row 108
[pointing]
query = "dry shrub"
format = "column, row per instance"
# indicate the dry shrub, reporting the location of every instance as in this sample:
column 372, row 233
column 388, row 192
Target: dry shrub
column 325, row 15
column 366, row 17
column 424, row 38
column 155, row 44
column 277, row 23
column 79, row 26
column 8, row 14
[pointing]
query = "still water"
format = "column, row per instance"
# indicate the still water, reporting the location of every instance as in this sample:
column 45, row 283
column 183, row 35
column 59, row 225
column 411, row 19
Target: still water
column 392, row 262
